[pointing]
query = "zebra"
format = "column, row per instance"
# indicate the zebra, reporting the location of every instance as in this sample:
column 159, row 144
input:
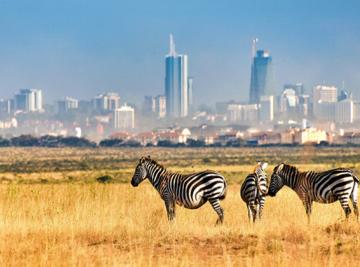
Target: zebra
column 323, row 187
column 190, row 191
column 250, row 194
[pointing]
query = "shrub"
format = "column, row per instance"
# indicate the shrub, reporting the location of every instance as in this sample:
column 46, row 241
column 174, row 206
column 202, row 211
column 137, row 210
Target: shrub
column 104, row 179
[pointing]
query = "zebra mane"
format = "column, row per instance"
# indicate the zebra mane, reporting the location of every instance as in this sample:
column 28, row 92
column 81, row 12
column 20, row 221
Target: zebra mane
column 152, row 161
column 290, row 168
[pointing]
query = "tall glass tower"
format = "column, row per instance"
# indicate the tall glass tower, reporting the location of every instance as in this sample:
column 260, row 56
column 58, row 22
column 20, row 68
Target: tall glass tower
column 176, row 83
column 261, row 76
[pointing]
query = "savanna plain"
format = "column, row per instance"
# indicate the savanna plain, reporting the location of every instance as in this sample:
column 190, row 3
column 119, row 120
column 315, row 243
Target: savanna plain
column 54, row 211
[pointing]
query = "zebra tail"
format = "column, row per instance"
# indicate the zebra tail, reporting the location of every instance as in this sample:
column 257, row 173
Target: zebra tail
column 356, row 178
column 354, row 192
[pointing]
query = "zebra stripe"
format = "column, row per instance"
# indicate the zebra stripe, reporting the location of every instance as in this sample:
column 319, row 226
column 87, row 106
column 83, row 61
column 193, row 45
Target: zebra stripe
column 251, row 194
column 323, row 187
column 190, row 191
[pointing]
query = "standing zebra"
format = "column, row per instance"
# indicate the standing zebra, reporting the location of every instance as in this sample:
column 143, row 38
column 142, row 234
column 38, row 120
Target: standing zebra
column 190, row 191
column 250, row 193
column 323, row 187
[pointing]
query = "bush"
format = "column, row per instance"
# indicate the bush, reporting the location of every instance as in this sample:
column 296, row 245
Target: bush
column 104, row 179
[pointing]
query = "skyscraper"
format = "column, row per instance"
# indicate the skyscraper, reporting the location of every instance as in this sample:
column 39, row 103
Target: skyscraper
column 29, row 100
column 261, row 76
column 176, row 83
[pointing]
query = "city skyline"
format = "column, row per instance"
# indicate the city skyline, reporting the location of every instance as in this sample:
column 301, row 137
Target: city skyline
column 107, row 47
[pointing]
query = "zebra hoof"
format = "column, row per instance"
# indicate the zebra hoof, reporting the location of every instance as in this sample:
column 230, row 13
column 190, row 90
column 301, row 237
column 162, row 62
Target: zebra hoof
column 219, row 222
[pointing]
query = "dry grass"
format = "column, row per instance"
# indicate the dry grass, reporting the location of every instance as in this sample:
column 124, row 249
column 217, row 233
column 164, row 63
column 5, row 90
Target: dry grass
column 93, row 224
column 53, row 213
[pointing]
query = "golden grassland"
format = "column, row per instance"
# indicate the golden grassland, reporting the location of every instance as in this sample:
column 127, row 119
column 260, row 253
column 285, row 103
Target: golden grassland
column 57, row 221
column 115, row 224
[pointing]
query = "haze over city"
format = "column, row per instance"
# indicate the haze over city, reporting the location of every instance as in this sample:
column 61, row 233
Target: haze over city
column 82, row 48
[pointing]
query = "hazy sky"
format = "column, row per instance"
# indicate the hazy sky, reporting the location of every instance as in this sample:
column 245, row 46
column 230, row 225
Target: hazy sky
column 81, row 48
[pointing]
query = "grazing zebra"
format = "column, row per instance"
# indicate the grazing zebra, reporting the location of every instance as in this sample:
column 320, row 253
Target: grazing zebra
column 250, row 193
column 190, row 191
column 323, row 187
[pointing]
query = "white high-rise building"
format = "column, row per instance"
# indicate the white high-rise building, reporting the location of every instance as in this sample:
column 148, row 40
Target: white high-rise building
column 243, row 113
column 324, row 102
column 324, row 93
column 344, row 111
column 288, row 100
column 266, row 108
column 64, row 105
column 303, row 107
column 356, row 105
column 190, row 89
column 160, row 101
column 106, row 102
column 124, row 118
column 149, row 106
column 176, row 83
column 6, row 106
column 29, row 100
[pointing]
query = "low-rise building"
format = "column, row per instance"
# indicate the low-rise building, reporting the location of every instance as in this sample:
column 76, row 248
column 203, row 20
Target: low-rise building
column 311, row 136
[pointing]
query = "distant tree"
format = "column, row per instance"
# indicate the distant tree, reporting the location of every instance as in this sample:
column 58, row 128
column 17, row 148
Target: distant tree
column 50, row 141
column 131, row 143
column 235, row 143
column 216, row 144
column 25, row 140
column 4, row 142
column 73, row 141
column 111, row 142
column 195, row 143
column 165, row 143
column 323, row 143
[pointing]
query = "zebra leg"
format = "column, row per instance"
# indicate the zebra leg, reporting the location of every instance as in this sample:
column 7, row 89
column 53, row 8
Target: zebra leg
column 170, row 209
column 356, row 210
column 354, row 199
column 261, row 206
column 344, row 201
column 215, row 203
column 258, row 211
column 254, row 211
column 249, row 213
column 308, row 205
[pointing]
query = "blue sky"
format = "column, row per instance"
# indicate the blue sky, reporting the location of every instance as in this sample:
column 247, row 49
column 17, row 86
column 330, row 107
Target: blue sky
column 81, row 48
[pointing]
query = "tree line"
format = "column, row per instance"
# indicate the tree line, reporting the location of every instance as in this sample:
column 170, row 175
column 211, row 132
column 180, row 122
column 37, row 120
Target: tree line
column 72, row 141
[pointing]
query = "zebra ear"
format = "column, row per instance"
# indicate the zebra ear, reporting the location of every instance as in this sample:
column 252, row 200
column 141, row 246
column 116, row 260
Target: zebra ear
column 280, row 167
column 142, row 160
column 148, row 156
column 264, row 165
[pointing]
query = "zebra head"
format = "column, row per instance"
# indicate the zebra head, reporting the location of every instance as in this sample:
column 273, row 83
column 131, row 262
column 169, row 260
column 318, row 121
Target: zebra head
column 277, row 181
column 140, row 172
column 261, row 175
